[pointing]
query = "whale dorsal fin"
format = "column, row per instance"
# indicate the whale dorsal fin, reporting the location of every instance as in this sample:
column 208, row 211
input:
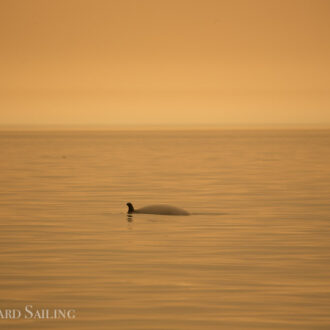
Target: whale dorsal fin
column 130, row 208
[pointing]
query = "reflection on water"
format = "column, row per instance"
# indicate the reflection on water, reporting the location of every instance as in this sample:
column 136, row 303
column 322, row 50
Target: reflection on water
column 254, row 254
column 129, row 217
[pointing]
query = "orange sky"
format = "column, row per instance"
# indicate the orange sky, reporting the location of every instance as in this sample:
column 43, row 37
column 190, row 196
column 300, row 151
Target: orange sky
column 78, row 62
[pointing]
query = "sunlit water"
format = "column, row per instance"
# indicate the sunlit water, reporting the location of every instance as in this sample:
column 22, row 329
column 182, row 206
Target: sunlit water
column 255, row 254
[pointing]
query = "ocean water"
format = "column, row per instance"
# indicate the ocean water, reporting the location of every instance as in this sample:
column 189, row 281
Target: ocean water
column 254, row 254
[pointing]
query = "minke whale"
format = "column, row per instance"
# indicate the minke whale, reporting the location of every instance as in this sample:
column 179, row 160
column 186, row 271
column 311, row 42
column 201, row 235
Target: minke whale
column 162, row 209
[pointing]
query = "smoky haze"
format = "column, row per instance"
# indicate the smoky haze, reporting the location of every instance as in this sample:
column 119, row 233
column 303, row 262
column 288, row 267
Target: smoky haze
column 164, row 62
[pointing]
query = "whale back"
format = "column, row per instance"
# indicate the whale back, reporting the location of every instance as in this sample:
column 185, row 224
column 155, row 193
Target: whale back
column 162, row 209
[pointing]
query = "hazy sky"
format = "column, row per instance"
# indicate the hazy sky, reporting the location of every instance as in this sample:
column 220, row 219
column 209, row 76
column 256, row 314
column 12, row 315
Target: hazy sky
column 164, row 62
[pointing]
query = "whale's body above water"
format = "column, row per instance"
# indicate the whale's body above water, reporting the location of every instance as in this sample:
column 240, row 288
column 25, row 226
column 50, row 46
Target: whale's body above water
column 162, row 209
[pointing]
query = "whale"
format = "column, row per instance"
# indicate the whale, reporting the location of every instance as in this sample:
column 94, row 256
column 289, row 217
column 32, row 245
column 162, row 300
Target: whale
column 161, row 209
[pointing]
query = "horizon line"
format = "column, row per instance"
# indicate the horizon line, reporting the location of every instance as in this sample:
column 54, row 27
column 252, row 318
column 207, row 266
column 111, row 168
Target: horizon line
column 91, row 127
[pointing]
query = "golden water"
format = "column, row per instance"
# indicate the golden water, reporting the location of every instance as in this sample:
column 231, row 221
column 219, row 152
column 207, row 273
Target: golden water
column 255, row 254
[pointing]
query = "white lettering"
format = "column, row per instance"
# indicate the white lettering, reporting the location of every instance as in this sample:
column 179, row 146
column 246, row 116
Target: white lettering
column 71, row 313
column 28, row 311
column 16, row 314
column 31, row 313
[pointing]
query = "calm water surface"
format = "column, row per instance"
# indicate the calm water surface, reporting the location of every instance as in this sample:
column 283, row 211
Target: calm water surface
column 255, row 254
